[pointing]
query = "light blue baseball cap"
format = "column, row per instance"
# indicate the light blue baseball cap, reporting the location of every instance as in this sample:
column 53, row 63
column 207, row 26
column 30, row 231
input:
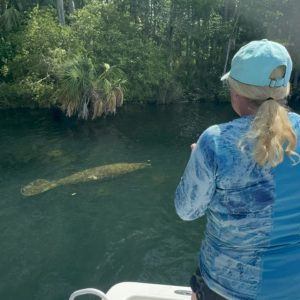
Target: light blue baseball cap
column 254, row 63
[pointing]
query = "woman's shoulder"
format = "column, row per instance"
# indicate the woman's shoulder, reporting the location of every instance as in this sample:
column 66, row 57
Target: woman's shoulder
column 294, row 116
column 295, row 120
column 229, row 128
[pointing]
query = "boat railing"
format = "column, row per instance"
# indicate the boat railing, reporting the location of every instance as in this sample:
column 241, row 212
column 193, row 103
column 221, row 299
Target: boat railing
column 88, row 291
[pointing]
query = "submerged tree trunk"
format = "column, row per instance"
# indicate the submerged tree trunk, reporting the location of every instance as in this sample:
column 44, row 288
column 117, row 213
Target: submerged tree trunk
column 61, row 11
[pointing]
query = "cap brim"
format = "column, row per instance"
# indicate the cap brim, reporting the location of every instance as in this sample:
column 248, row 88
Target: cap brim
column 225, row 76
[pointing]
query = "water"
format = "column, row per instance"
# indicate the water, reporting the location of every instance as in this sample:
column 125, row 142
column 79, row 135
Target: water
column 96, row 234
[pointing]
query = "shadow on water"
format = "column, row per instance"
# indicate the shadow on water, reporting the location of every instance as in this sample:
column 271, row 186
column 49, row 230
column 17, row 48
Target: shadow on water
column 96, row 234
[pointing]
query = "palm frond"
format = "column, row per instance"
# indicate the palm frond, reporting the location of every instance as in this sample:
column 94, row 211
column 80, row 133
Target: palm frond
column 110, row 107
column 84, row 93
column 98, row 109
column 119, row 96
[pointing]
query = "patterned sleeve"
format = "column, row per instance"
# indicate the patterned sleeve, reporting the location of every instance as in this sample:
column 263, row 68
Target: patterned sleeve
column 197, row 185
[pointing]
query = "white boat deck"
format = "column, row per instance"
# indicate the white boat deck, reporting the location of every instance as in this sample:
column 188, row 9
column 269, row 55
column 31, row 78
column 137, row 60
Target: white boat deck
column 139, row 291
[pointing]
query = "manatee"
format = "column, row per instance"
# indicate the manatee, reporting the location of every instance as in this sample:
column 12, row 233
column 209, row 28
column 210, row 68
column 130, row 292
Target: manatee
column 100, row 173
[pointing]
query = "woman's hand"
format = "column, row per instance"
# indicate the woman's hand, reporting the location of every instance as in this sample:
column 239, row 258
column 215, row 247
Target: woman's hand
column 193, row 146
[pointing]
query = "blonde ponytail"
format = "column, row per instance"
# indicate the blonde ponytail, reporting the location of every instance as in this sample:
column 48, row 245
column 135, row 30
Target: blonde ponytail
column 271, row 131
column 272, row 134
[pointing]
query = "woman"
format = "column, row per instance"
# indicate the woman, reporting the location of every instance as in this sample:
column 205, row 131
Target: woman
column 244, row 176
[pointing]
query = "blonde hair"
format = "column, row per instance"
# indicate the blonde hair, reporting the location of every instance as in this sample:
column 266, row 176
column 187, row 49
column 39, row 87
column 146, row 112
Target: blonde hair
column 271, row 131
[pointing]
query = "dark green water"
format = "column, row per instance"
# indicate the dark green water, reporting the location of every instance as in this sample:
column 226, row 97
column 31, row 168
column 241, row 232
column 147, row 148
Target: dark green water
column 96, row 234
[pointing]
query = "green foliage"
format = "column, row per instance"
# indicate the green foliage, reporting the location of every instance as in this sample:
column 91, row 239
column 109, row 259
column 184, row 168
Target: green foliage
column 85, row 93
column 39, row 48
column 37, row 43
column 112, row 37
column 10, row 19
column 168, row 49
column 15, row 95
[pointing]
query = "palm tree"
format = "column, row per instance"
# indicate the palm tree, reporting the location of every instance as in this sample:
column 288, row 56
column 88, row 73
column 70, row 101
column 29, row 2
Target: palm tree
column 86, row 94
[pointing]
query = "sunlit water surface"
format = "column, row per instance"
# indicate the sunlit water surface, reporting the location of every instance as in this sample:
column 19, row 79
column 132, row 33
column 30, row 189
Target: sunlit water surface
column 95, row 234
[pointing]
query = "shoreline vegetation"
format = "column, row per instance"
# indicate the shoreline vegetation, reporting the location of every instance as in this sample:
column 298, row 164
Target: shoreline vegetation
column 87, row 57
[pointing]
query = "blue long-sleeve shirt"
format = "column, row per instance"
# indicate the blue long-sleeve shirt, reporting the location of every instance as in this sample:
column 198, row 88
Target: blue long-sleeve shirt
column 251, row 248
